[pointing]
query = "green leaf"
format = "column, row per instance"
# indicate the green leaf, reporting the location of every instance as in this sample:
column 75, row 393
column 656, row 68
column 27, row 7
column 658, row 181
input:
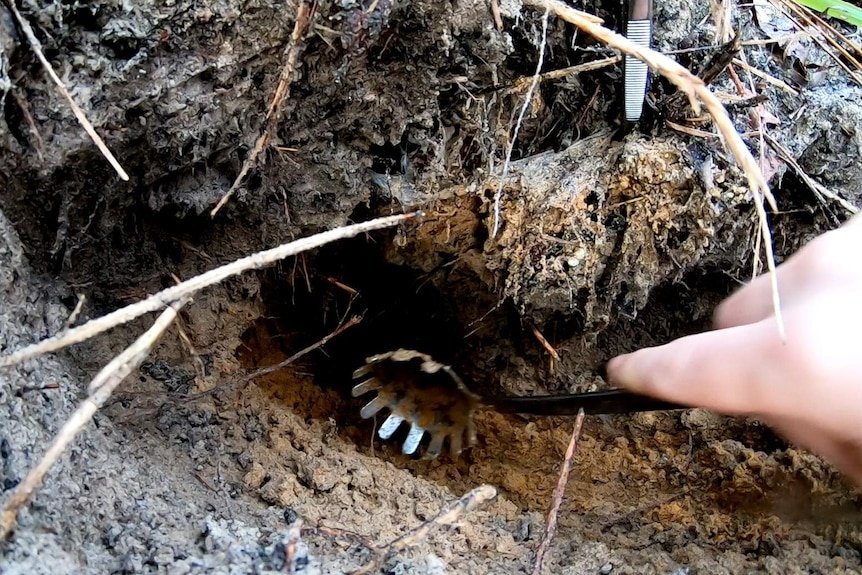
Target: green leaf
column 836, row 9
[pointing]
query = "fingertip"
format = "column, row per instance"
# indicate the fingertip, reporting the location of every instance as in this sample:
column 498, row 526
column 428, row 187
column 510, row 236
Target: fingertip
column 726, row 314
column 749, row 304
column 612, row 369
column 718, row 370
column 623, row 371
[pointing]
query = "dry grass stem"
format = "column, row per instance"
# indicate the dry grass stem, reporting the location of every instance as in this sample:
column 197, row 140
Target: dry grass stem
column 100, row 389
column 768, row 41
column 557, row 499
column 816, row 187
column 273, row 114
column 765, row 236
column 697, row 91
column 174, row 293
column 79, row 113
column 495, row 14
column 835, row 33
column 449, row 515
column 765, row 77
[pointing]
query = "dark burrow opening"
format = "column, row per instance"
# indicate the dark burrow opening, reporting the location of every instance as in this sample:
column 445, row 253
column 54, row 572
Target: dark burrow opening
column 451, row 315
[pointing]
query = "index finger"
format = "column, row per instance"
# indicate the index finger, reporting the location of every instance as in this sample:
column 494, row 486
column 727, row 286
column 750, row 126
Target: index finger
column 731, row 370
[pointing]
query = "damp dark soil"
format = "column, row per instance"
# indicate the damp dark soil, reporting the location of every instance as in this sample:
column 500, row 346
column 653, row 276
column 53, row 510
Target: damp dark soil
column 609, row 239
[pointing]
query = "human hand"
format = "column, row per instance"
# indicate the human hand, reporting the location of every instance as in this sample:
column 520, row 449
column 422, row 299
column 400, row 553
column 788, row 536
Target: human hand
column 809, row 388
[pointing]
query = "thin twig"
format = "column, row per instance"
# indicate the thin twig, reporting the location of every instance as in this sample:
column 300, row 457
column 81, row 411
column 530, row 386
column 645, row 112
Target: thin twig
column 240, row 384
column 341, row 286
column 101, row 388
column 495, row 13
column 694, row 132
column 166, row 297
column 544, row 342
column 73, row 317
column 527, row 100
column 31, row 123
column 559, row 491
column 344, row 535
column 447, row 516
column 79, row 113
column 273, row 114
column 521, row 83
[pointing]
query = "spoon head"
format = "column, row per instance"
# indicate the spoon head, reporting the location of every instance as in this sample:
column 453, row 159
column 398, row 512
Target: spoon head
column 427, row 395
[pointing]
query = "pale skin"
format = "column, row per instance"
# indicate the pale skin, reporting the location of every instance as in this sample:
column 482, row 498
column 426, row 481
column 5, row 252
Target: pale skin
column 808, row 388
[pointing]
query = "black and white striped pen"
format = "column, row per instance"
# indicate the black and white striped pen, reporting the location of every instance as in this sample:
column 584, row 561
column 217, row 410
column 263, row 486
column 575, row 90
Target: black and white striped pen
column 638, row 30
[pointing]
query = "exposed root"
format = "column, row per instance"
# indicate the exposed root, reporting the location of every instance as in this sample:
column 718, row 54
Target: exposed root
column 697, row 91
column 273, row 114
column 528, row 98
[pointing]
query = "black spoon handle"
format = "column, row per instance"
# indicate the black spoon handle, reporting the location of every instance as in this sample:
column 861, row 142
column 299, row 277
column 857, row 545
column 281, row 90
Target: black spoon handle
column 593, row 403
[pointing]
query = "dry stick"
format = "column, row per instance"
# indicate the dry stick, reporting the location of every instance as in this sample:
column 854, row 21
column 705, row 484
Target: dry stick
column 282, row 90
column 559, row 491
column 281, row 365
column 695, row 89
column 101, row 388
column 79, row 113
column 165, row 297
column 449, row 515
